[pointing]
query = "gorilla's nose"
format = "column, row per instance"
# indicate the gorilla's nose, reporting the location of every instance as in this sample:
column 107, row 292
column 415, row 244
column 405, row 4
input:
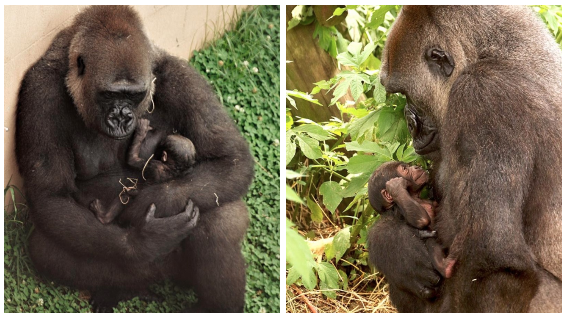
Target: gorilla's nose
column 120, row 117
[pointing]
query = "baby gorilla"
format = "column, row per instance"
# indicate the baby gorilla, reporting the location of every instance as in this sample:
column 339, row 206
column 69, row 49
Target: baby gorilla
column 396, row 185
column 178, row 157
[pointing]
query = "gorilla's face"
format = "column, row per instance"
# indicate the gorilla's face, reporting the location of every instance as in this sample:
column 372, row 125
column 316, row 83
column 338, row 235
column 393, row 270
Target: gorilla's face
column 418, row 61
column 110, row 78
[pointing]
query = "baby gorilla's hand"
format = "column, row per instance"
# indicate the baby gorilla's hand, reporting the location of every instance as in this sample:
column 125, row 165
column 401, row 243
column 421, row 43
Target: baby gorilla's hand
column 143, row 127
column 397, row 187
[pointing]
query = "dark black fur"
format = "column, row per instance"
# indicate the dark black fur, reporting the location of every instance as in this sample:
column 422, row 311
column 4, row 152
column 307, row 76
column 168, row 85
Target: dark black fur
column 62, row 144
column 499, row 118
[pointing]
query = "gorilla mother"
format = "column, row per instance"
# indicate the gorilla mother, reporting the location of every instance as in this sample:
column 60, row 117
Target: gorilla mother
column 490, row 78
column 78, row 107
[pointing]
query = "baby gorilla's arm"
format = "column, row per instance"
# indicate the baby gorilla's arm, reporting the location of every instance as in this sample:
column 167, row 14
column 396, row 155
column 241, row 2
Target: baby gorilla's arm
column 412, row 211
column 134, row 159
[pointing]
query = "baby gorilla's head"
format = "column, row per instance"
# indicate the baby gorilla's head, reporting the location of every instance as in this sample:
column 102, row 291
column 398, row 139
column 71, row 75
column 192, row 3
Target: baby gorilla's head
column 415, row 175
column 178, row 152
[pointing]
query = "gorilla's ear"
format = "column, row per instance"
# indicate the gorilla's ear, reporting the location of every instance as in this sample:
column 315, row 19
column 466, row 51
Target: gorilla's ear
column 386, row 195
column 440, row 59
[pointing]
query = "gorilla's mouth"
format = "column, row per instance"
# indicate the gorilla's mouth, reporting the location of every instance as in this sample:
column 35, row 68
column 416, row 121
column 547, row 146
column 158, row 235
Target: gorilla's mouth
column 427, row 143
column 422, row 178
column 422, row 128
column 119, row 122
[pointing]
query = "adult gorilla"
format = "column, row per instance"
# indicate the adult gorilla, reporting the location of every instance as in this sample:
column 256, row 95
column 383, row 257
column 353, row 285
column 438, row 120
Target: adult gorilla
column 490, row 78
column 78, row 107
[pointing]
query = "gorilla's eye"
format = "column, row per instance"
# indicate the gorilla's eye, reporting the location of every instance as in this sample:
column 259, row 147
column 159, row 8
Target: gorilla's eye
column 80, row 65
column 436, row 55
column 440, row 59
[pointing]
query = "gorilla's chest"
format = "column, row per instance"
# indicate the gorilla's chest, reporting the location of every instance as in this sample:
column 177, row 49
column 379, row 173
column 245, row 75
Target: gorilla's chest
column 94, row 157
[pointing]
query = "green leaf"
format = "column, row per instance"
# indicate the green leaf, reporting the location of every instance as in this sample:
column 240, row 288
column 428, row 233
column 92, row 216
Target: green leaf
column 331, row 192
column 292, row 195
column 293, row 23
column 290, row 147
column 314, row 130
column 316, row 212
column 309, row 280
column 341, row 243
column 362, row 164
column 324, row 34
column 329, row 279
column 293, row 276
column 366, row 146
column 354, row 76
column 354, row 48
column 292, row 101
column 358, row 127
column 356, row 89
column 344, row 279
column 378, row 17
column 369, row 48
column 356, row 184
column 339, row 11
column 291, row 174
column 299, row 255
column 399, row 152
column 340, row 90
column 386, row 120
column 379, row 93
column 409, row 155
column 309, row 146
column 346, row 59
column 372, row 63
column 398, row 131
column 302, row 95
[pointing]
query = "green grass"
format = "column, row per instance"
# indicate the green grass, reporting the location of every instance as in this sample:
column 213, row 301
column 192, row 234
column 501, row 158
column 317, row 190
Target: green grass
column 252, row 99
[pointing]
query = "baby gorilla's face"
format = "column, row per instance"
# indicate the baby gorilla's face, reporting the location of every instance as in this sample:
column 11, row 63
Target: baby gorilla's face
column 414, row 174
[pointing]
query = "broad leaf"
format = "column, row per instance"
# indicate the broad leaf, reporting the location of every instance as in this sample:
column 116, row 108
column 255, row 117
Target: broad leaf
column 316, row 213
column 292, row 195
column 360, row 126
column 290, row 147
column 331, row 192
column 314, row 130
column 341, row 242
column 362, row 164
column 309, row 146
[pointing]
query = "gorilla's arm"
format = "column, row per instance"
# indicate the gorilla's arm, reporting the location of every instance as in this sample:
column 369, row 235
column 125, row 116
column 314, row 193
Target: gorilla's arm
column 185, row 102
column 485, row 189
column 47, row 121
column 396, row 250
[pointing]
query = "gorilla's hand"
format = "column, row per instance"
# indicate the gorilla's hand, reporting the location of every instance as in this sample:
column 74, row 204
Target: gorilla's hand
column 396, row 250
column 397, row 187
column 412, row 211
column 159, row 236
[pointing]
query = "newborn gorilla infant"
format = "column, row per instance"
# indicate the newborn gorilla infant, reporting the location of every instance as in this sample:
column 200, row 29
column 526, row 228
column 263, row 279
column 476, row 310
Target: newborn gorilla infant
column 177, row 158
column 396, row 186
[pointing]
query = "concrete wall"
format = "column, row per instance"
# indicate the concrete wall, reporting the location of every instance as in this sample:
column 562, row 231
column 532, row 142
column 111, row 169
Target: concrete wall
column 28, row 31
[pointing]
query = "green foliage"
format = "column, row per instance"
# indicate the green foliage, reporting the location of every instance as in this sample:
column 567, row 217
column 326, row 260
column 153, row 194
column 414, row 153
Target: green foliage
column 250, row 91
column 343, row 153
column 552, row 17
column 248, row 84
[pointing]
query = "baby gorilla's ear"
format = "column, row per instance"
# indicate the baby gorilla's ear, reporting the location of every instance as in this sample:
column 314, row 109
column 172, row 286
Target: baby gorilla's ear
column 164, row 156
column 386, row 195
